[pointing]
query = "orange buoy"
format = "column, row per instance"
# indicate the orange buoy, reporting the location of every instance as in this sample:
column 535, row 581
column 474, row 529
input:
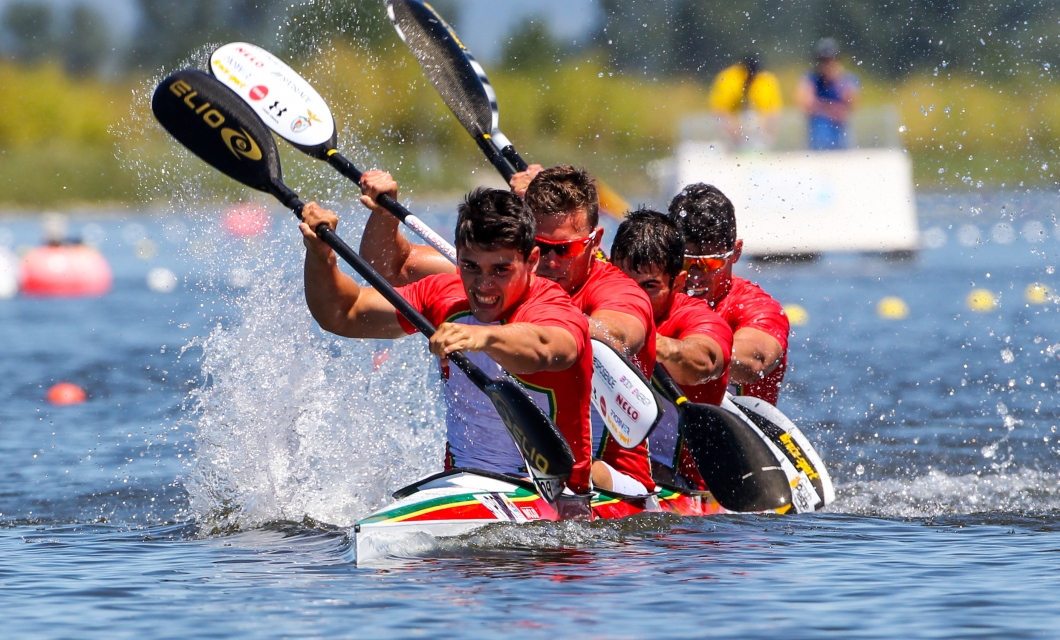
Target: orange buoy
column 246, row 220
column 70, row 271
column 64, row 393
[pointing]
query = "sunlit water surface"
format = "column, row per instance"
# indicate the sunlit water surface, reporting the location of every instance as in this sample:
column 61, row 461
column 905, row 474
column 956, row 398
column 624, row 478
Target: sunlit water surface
column 205, row 487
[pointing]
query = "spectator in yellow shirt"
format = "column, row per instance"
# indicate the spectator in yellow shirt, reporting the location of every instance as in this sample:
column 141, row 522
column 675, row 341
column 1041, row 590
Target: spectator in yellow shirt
column 747, row 101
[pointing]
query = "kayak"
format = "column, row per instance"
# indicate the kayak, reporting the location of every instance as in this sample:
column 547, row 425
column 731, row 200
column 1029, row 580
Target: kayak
column 461, row 500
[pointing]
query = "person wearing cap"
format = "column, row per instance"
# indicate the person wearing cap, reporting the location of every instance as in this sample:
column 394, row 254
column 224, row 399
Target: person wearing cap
column 746, row 100
column 827, row 94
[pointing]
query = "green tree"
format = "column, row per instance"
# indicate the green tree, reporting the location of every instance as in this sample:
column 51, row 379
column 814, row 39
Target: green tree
column 86, row 42
column 531, row 47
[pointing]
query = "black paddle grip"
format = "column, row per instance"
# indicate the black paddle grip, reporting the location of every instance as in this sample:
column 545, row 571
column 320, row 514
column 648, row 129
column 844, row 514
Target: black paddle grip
column 495, row 158
column 513, row 157
column 348, row 169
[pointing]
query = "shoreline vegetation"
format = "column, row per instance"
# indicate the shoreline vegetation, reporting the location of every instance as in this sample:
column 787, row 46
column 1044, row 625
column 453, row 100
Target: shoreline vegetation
column 75, row 142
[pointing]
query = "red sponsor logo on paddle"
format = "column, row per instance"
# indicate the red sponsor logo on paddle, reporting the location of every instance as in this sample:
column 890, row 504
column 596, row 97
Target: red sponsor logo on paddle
column 259, row 92
column 627, row 407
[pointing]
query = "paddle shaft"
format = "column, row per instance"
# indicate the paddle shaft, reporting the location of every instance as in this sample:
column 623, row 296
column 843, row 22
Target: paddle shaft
column 348, row 169
column 422, row 324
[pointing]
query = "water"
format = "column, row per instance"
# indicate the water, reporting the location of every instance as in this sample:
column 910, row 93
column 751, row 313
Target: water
column 205, row 487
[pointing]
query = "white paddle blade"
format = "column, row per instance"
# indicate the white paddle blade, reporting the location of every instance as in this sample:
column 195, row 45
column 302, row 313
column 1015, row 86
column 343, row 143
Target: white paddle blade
column 622, row 397
column 288, row 104
column 795, row 443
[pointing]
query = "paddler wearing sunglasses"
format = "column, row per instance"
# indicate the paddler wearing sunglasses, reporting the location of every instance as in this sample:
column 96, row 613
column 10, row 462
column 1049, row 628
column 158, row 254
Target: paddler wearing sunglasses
column 497, row 311
column 760, row 327
column 693, row 342
column 565, row 206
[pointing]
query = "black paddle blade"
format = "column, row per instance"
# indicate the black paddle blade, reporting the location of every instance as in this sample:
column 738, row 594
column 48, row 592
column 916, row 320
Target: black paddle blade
column 450, row 67
column 214, row 123
column 791, row 449
column 739, row 468
column 543, row 447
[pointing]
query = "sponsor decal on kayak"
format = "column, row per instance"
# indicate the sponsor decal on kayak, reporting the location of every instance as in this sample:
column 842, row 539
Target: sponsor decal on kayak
column 797, row 457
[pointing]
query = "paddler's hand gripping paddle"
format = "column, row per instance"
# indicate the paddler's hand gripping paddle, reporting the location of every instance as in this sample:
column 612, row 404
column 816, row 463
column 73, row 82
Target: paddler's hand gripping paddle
column 292, row 108
column 214, row 124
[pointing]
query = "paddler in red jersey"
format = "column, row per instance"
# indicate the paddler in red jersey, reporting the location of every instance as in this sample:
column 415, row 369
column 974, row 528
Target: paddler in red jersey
column 496, row 311
column 760, row 327
column 693, row 342
column 566, row 206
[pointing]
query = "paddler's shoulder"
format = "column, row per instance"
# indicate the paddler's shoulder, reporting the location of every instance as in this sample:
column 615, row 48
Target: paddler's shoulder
column 438, row 284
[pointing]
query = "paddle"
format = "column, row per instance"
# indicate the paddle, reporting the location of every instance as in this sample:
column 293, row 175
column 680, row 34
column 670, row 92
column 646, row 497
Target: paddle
column 742, row 471
column 291, row 107
column 462, row 84
column 213, row 123
column 789, row 439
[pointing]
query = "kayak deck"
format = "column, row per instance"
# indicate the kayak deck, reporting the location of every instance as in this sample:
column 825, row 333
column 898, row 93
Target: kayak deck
column 459, row 501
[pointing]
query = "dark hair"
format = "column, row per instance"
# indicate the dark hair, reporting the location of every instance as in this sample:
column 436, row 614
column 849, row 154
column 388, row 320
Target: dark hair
column 705, row 216
column 648, row 239
column 493, row 219
column 557, row 191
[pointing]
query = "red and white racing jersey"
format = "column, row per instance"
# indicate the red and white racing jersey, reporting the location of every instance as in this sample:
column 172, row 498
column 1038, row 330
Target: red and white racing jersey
column 608, row 289
column 747, row 305
column 689, row 316
column 476, row 436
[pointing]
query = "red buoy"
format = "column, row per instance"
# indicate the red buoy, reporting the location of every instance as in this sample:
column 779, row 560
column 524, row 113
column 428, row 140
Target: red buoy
column 70, row 271
column 64, row 393
column 246, row 220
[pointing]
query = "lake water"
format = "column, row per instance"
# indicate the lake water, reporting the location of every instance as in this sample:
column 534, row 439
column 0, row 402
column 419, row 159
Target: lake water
column 204, row 488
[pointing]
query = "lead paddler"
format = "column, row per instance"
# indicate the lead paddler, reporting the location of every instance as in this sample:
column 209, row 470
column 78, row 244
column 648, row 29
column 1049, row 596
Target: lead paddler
column 495, row 310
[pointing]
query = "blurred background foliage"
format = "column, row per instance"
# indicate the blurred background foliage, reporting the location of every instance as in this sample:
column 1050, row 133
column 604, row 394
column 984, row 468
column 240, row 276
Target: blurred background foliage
column 973, row 82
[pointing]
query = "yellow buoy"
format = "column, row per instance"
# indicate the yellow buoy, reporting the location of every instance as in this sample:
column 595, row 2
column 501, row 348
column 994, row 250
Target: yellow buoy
column 797, row 315
column 981, row 300
column 892, row 308
column 1038, row 293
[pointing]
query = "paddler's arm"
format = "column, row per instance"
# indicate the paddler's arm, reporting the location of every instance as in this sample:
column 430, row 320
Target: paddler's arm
column 622, row 331
column 755, row 354
column 691, row 360
column 336, row 301
column 519, row 348
column 385, row 247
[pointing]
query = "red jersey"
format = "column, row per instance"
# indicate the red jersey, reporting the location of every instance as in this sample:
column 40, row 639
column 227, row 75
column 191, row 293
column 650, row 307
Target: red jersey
column 746, row 305
column 476, row 436
column 608, row 289
column 689, row 316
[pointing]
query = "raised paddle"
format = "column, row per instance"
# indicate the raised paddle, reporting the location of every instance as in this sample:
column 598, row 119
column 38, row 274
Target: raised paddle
column 292, row 108
column 462, row 84
column 742, row 470
column 212, row 122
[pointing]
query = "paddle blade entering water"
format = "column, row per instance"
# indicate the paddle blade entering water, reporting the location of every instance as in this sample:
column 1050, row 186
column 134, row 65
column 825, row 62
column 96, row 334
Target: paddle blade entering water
column 740, row 470
column 789, row 439
column 284, row 101
column 458, row 78
column 213, row 123
column 549, row 458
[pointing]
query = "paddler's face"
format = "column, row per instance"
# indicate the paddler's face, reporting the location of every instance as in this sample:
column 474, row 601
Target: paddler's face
column 568, row 235
column 710, row 284
column 660, row 287
column 495, row 280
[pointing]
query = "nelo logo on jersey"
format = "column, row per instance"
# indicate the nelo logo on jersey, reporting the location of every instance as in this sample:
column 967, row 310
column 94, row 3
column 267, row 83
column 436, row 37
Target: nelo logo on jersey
column 259, row 92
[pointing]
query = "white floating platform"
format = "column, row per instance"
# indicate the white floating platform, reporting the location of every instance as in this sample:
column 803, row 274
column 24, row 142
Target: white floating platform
column 808, row 202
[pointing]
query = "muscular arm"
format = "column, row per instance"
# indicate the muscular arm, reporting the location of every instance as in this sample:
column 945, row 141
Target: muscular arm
column 693, row 360
column 622, row 331
column 755, row 354
column 519, row 347
column 385, row 247
column 337, row 303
